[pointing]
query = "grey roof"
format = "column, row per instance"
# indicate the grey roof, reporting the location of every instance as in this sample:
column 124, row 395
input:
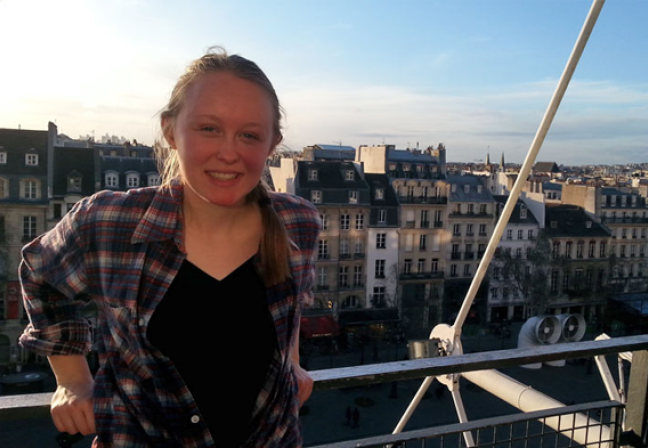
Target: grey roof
column 515, row 216
column 551, row 186
column 329, row 175
column 571, row 222
column 611, row 191
column 546, row 167
column 398, row 155
column 72, row 161
column 376, row 181
column 473, row 194
column 337, row 154
column 333, row 147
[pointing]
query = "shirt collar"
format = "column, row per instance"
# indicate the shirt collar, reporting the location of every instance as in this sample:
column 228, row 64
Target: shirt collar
column 163, row 218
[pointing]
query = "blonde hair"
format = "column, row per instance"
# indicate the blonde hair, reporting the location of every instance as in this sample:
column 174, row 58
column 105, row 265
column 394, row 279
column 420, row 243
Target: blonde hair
column 275, row 244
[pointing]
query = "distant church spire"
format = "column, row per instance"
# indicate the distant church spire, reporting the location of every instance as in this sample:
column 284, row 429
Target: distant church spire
column 488, row 159
column 502, row 163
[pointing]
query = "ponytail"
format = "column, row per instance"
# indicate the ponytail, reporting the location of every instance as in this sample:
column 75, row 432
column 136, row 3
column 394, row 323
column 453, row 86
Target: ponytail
column 275, row 245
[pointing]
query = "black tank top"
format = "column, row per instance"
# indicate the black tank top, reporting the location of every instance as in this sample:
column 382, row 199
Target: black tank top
column 220, row 336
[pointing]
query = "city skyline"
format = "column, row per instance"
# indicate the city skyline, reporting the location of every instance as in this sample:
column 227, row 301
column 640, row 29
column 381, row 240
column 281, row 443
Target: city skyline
column 476, row 76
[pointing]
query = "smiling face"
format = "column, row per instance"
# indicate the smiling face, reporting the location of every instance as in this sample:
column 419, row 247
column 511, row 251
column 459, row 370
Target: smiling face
column 223, row 135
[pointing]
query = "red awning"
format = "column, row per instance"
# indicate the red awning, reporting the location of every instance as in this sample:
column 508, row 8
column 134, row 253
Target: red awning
column 318, row 326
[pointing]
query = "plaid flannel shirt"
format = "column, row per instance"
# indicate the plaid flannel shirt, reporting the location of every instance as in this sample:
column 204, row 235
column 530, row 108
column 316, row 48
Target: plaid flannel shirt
column 123, row 250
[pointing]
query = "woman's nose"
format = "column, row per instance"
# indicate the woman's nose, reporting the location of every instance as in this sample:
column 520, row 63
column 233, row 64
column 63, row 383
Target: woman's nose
column 226, row 151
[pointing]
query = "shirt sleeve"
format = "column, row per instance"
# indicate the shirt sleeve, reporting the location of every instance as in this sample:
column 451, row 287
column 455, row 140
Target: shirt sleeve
column 54, row 287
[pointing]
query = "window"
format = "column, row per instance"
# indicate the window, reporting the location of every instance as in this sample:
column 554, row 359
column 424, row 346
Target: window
column 380, row 269
column 530, row 234
column 602, row 249
column 381, row 240
column 438, row 218
column 31, row 159
column 568, row 249
column 421, row 265
column 565, row 282
column 353, row 197
column 518, row 252
column 469, row 230
column 380, row 193
column 554, row 281
column 29, row 227
column 359, row 247
column 322, row 277
column 343, row 278
column 471, row 209
column 344, row 222
column 483, row 209
column 359, row 221
column 466, row 272
column 407, row 266
column 316, row 196
column 3, row 158
column 382, row 216
column 29, row 189
column 623, row 251
column 312, row 174
column 523, row 212
column 378, row 298
column 555, row 250
column 344, row 248
column 456, row 230
column 410, row 191
column 520, row 235
column 349, row 175
column 423, row 242
column 74, row 183
column 4, row 191
column 424, row 219
column 453, row 270
column 579, row 249
column 434, row 266
column 322, row 250
column 509, row 234
column 357, row 276
column 324, row 220
column 350, row 302
column 482, row 229
column 112, row 180
column 153, row 180
column 132, row 180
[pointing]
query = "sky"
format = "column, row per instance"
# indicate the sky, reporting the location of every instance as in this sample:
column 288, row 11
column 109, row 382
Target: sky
column 476, row 75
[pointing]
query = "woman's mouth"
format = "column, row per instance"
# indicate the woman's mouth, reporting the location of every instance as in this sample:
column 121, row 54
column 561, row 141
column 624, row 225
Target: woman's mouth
column 222, row 176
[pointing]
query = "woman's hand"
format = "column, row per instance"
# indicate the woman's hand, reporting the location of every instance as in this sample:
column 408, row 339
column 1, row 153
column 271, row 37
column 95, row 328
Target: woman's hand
column 72, row 408
column 304, row 383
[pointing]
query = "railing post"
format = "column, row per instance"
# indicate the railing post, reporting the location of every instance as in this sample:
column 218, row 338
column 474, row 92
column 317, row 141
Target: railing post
column 637, row 405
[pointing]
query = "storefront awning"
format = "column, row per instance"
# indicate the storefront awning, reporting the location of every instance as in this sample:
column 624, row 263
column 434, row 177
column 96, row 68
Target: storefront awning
column 318, row 326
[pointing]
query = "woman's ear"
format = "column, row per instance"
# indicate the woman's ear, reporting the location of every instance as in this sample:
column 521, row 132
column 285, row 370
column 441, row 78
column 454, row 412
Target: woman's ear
column 167, row 131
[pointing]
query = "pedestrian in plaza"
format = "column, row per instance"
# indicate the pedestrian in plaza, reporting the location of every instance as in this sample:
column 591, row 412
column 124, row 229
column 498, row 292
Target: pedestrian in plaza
column 208, row 265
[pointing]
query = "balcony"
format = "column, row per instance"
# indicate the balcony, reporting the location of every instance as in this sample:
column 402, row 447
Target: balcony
column 427, row 275
column 455, row 256
column 469, row 255
column 410, row 224
column 345, row 256
column 440, row 200
column 359, row 256
column 22, row 416
column 320, row 288
column 323, row 257
column 438, row 224
column 425, row 224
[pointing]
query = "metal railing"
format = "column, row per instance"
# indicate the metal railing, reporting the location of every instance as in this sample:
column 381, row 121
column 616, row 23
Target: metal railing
column 531, row 429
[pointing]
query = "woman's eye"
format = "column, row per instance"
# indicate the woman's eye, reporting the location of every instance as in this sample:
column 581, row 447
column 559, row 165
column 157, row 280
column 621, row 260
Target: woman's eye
column 208, row 128
column 249, row 135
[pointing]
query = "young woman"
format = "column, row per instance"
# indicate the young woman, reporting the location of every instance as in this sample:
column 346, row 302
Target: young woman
column 199, row 283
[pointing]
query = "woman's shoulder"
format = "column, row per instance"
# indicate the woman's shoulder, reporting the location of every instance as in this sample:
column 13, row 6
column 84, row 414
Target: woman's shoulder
column 294, row 209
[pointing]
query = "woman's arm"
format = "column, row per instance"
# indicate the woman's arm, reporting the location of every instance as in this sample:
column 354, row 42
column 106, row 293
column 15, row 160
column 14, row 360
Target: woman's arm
column 304, row 380
column 72, row 405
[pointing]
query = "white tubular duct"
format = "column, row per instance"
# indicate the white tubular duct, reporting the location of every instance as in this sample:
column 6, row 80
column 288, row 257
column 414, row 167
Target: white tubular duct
column 526, row 399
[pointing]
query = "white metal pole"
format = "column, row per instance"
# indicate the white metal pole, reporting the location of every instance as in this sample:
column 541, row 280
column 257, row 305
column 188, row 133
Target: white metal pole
column 541, row 133
column 413, row 405
column 461, row 414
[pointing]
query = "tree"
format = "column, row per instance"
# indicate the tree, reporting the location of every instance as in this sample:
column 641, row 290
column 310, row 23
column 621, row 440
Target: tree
column 528, row 275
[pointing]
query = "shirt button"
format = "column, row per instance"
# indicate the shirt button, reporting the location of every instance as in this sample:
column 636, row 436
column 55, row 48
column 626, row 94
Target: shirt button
column 195, row 419
column 141, row 322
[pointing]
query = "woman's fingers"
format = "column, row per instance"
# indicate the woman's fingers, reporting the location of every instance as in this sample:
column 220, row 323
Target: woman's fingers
column 72, row 408
column 304, row 384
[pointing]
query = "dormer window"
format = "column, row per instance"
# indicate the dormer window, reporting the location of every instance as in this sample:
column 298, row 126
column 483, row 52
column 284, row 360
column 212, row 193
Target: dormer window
column 406, row 167
column 479, row 188
column 312, row 175
column 112, row 179
column 588, row 224
column 31, row 159
column 523, row 211
column 316, row 196
column 132, row 180
column 74, row 182
column 134, row 154
column 454, row 188
column 113, row 153
column 380, row 193
column 350, row 175
column 392, row 167
column 466, row 188
column 419, row 168
column 3, row 157
column 153, row 179
column 353, row 197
